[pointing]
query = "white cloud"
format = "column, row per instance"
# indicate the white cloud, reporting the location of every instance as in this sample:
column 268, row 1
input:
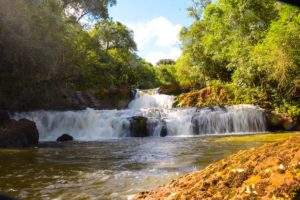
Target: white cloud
column 155, row 37
column 155, row 56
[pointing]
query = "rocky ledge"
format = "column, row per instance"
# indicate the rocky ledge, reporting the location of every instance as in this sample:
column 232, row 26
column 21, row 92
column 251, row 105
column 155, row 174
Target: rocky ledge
column 16, row 134
column 268, row 172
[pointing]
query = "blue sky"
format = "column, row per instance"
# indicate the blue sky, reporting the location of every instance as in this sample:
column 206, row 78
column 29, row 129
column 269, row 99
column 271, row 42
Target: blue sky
column 156, row 24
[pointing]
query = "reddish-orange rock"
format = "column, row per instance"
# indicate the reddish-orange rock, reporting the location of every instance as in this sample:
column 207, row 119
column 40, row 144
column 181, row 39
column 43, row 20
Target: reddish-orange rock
column 268, row 172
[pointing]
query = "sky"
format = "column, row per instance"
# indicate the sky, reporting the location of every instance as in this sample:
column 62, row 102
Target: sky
column 156, row 24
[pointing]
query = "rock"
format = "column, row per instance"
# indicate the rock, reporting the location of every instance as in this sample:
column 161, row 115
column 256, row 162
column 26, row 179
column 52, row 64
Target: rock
column 270, row 171
column 281, row 169
column 176, row 89
column 6, row 197
column 281, row 122
column 84, row 100
column 65, row 138
column 164, row 131
column 15, row 134
column 138, row 127
column 119, row 98
column 114, row 98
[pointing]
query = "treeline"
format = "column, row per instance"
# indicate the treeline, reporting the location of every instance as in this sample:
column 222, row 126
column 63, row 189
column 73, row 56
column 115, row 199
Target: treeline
column 48, row 52
column 244, row 52
column 241, row 51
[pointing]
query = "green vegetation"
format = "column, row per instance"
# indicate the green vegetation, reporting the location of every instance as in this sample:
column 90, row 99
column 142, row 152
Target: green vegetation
column 47, row 53
column 244, row 52
column 235, row 52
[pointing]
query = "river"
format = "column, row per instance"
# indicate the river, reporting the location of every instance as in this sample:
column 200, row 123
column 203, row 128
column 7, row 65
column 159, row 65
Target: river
column 111, row 169
column 104, row 162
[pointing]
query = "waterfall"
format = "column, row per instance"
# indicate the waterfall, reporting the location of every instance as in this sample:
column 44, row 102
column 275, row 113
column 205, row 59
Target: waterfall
column 151, row 99
column 161, row 119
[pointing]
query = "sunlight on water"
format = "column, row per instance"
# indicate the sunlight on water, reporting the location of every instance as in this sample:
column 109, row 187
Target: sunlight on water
column 112, row 169
column 114, row 166
column 93, row 125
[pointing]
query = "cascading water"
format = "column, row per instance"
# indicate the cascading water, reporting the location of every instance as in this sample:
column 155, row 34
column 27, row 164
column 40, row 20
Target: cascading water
column 161, row 119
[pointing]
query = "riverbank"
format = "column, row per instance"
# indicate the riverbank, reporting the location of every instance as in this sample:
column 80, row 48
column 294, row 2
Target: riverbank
column 270, row 171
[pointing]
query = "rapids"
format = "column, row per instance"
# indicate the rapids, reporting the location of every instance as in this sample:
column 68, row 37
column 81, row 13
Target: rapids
column 93, row 125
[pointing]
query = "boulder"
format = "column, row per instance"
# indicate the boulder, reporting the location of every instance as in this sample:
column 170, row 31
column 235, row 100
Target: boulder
column 65, row 138
column 6, row 197
column 281, row 122
column 16, row 134
column 138, row 127
column 164, row 131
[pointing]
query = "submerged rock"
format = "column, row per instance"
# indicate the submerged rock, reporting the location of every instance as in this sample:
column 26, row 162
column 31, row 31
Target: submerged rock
column 15, row 134
column 268, row 172
column 64, row 138
column 138, row 127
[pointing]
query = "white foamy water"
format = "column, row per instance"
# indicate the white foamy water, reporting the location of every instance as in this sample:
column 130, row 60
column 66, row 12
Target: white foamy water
column 162, row 119
column 151, row 99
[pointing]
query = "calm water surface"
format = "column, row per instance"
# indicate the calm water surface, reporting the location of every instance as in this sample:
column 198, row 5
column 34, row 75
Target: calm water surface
column 111, row 169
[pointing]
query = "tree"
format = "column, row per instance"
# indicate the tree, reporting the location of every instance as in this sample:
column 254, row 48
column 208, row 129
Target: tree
column 278, row 56
column 197, row 8
column 165, row 62
column 114, row 35
column 96, row 9
column 247, row 45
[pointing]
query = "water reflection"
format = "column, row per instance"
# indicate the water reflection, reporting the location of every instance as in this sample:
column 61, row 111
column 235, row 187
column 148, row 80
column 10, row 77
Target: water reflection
column 112, row 169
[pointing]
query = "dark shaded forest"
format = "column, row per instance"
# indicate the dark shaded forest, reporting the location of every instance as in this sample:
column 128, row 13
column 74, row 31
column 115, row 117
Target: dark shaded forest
column 47, row 53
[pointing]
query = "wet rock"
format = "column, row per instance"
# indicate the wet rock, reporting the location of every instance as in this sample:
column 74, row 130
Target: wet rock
column 64, row 138
column 15, row 134
column 280, row 122
column 195, row 125
column 84, row 100
column 281, row 169
column 164, row 131
column 6, row 197
column 138, row 127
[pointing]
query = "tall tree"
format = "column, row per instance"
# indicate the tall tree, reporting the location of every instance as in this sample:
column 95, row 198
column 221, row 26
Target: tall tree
column 95, row 9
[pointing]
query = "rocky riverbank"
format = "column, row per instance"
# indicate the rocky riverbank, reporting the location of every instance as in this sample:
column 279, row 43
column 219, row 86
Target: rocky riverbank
column 115, row 98
column 17, row 134
column 268, row 172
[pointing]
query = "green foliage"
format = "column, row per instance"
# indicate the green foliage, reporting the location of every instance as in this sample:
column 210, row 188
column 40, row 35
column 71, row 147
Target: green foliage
column 165, row 62
column 166, row 74
column 220, row 93
column 197, row 8
column 46, row 54
column 188, row 71
column 113, row 35
column 246, row 50
column 243, row 51
column 292, row 109
column 96, row 9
